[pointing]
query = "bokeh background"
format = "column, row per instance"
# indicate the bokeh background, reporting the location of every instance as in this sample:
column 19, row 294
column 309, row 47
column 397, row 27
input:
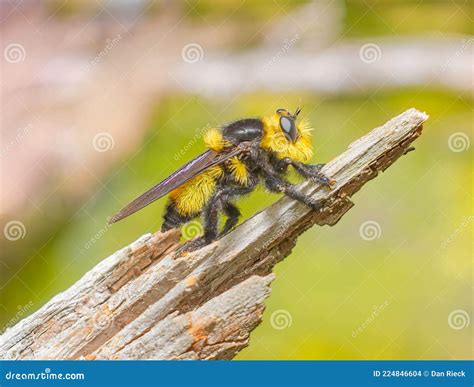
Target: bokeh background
column 102, row 99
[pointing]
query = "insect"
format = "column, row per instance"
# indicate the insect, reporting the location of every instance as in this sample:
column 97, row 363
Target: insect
column 240, row 155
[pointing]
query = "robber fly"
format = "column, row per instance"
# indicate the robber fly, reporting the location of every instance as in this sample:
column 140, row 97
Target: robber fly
column 239, row 156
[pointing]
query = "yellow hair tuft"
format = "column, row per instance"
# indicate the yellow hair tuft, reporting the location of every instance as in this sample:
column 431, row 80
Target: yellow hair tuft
column 214, row 140
column 238, row 170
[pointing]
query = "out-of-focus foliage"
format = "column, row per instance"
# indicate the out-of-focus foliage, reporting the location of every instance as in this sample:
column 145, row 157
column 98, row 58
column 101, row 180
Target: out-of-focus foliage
column 389, row 17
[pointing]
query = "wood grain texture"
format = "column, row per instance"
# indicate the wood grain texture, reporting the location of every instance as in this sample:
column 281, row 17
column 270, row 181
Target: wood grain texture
column 147, row 302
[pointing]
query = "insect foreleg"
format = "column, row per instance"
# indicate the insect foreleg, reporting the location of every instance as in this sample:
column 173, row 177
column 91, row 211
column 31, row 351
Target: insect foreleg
column 275, row 183
column 308, row 171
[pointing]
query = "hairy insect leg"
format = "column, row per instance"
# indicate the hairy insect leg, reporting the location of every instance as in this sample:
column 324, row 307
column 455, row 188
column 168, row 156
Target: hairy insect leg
column 193, row 245
column 210, row 219
column 221, row 200
column 312, row 172
column 276, row 184
column 210, row 215
column 309, row 171
column 233, row 215
column 232, row 212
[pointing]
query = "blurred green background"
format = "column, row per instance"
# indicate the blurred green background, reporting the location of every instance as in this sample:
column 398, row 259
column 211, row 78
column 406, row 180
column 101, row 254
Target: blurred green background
column 341, row 296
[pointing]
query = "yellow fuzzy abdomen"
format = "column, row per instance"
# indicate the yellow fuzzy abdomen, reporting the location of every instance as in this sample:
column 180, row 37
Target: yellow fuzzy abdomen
column 190, row 198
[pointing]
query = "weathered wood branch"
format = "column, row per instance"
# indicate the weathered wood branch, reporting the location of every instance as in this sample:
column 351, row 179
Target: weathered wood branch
column 147, row 302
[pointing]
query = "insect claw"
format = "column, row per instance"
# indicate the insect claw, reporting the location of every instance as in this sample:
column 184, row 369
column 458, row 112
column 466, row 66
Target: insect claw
column 191, row 245
column 326, row 181
column 331, row 183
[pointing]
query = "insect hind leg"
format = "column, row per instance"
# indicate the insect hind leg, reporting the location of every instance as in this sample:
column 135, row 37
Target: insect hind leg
column 210, row 219
column 233, row 215
column 221, row 200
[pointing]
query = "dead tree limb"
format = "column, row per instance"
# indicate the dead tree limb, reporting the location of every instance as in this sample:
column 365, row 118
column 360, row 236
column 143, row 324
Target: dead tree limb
column 146, row 302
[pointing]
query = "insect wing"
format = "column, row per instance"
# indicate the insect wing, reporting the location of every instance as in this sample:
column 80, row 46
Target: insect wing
column 188, row 171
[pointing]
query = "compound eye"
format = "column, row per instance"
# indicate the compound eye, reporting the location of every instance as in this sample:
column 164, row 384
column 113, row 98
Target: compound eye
column 288, row 127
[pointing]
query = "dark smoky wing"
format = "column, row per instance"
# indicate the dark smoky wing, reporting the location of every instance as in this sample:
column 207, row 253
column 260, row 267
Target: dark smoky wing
column 175, row 180
column 172, row 182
